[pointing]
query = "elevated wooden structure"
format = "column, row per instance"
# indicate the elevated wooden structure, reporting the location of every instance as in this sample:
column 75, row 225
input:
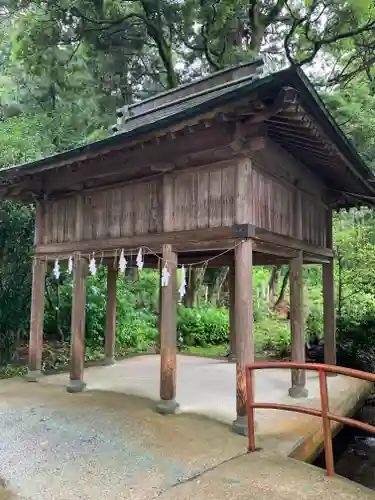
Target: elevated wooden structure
column 249, row 165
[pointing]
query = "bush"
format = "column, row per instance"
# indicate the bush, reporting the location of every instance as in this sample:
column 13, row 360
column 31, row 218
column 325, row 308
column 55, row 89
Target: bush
column 136, row 330
column 202, row 327
column 356, row 339
column 273, row 334
column 314, row 323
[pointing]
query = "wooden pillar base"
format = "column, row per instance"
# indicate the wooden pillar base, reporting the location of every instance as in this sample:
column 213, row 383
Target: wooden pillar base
column 76, row 386
column 239, row 426
column 167, row 407
column 298, row 391
column 33, row 375
column 109, row 361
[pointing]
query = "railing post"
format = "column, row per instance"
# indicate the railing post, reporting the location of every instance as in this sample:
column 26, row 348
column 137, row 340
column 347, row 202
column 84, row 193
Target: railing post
column 328, row 449
column 250, row 409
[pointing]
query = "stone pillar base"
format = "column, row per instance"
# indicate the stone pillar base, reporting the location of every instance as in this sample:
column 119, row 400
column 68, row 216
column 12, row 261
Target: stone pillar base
column 167, row 407
column 33, row 375
column 76, row 386
column 109, row 361
column 239, row 426
column 298, row 391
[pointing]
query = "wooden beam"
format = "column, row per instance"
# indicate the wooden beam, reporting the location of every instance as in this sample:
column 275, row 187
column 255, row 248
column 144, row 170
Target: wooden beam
column 285, row 241
column 77, row 342
column 192, row 239
column 110, row 330
column 243, row 327
column 168, row 337
column 298, row 389
column 37, row 317
column 219, row 238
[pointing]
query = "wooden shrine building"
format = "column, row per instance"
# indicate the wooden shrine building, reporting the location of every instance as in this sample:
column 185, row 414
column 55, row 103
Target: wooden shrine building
column 239, row 168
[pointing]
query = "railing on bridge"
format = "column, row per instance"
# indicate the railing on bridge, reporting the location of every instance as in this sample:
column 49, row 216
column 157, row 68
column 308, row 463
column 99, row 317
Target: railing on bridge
column 324, row 412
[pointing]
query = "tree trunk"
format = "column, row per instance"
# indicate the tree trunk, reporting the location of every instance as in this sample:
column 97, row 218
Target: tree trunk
column 272, row 285
column 218, row 285
column 194, row 281
column 283, row 289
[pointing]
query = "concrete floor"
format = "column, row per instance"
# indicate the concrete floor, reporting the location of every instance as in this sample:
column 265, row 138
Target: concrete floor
column 208, row 387
column 106, row 444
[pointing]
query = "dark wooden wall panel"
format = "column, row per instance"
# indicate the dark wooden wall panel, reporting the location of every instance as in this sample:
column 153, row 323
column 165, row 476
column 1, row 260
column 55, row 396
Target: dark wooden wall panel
column 246, row 190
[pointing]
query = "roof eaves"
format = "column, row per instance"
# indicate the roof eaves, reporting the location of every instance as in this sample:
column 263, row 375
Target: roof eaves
column 97, row 147
column 320, row 112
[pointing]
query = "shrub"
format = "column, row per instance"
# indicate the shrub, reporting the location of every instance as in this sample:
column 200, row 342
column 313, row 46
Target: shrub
column 356, row 339
column 314, row 323
column 273, row 334
column 202, row 327
column 136, row 330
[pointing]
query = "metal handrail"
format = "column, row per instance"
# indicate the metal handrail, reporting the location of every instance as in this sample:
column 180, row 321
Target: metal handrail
column 324, row 412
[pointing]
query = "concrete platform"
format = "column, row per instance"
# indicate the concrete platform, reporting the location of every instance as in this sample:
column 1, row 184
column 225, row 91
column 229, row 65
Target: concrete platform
column 105, row 444
column 207, row 387
column 261, row 477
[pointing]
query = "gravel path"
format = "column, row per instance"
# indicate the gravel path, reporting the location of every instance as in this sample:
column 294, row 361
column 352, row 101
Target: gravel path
column 103, row 444
column 100, row 444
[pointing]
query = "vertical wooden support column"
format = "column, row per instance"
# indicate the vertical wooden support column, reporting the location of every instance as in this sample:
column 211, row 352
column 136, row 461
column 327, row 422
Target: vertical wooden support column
column 37, row 302
column 329, row 301
column 298, row 389
column 110, row 330
column 232, row 315
column 329, row 315
column 243, row 311
column 77, row 342
column 36, row 321
column 168, row 335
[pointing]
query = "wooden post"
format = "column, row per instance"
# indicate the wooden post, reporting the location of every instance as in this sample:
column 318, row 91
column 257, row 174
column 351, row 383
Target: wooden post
column 110, row 330
column 77, row 342
column 37, row 301
column 232, row 316
column 298, row 389
column 329, row 301
column 243, row 312
column 36, row 321
column 168, row 335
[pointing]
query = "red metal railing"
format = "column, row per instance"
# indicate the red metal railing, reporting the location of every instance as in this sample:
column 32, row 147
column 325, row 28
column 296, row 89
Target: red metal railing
column 324, row 412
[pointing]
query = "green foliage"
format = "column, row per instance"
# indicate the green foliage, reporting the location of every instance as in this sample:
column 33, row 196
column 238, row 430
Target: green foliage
column 272, row 334
column 357, row 342
column 353, row 106
column 16, row 229
column 202, row 327
column 66, row 66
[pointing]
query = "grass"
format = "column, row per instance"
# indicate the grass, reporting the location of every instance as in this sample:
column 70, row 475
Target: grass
column 208, row 351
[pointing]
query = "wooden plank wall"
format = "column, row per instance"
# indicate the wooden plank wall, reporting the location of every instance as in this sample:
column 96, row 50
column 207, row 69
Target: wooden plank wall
column 238, row 192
